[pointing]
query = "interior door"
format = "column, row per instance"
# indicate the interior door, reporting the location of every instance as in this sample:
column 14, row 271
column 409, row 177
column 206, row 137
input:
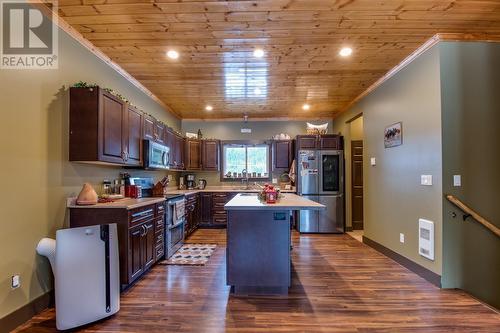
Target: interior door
column 357, row 184
column 331, row 220
column 331, row 172
column 308, row 167
column 308, row 219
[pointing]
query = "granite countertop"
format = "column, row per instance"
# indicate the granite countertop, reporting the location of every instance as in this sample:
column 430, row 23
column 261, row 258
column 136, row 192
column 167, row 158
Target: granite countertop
column 221, row 189
column 288, row 201
column 126, row 203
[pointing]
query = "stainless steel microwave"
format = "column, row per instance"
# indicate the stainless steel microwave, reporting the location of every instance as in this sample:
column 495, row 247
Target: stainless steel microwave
column 156, row 156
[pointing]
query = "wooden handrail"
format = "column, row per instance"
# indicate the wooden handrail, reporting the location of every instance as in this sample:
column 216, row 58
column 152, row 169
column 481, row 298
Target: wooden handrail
column 494, row 229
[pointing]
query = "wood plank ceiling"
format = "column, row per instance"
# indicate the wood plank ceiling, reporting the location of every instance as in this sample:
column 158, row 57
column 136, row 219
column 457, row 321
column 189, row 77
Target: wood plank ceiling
column 301, row 40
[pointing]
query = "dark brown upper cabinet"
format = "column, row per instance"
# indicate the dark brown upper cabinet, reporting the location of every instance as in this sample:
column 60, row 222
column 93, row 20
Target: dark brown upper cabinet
column 282, row 154
column 307, row 141
column 170, row 143
column 210, row 155
column 160, row 132
column 180, row 156
column 193, row 154
column 134, row 120
column 149, row 127
column 103, row 128
column 324, row 142
column 176, row 144
column 330, row 142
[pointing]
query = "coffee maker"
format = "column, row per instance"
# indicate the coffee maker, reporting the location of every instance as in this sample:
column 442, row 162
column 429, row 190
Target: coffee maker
column 190, row 181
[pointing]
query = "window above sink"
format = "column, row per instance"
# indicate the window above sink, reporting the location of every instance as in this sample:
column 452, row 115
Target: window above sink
column 245, row 160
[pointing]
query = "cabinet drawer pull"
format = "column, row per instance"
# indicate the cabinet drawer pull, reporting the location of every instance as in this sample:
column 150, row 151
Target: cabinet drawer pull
column 143, row 213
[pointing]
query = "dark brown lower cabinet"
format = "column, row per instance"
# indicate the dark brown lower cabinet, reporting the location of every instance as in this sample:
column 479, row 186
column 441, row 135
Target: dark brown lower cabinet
column 213, row 214
column 135, row 257
column 192, row 214
column 205, row 208
column 140, row 235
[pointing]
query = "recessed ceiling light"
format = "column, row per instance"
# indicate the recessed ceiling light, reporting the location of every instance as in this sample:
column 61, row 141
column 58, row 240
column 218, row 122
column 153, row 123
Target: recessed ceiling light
column 345, row 51
column 172, row 54
column 258, row 53
column 209, row 108
column 306, row 107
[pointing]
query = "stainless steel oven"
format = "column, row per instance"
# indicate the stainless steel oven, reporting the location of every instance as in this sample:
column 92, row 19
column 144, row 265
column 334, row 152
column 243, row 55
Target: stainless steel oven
column 175, row 224
column 156, row 156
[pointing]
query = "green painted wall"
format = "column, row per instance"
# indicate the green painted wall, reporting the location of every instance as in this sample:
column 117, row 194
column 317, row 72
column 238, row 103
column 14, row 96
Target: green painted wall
column 261, row 130
column 394, row 200
column 36, row 174
column 449, row 102
column 470, row 86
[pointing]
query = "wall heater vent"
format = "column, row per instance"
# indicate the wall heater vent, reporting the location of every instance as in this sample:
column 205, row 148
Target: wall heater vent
column 426, row 238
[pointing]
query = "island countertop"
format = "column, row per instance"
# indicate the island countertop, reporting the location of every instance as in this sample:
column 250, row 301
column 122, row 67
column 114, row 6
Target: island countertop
column 288, row 201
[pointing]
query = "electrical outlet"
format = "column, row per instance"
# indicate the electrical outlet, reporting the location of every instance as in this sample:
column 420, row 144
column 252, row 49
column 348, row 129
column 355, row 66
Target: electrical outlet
column 457, row 180
column 16, row 281
column 373, row 161
column 401, row 238
column 169, row 177
column 275, row 180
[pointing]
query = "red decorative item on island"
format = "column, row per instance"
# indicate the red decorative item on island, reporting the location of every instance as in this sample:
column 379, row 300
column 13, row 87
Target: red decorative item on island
column 271, row 194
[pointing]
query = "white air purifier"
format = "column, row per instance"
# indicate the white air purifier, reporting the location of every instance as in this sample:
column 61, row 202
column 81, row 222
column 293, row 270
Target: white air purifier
column 86, row 273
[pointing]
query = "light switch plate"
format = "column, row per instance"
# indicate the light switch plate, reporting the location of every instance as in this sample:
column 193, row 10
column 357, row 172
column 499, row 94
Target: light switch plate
column 373, row 161
column 16, row 281
column 426, row 180
column 246, row 130
column 401, row 238
column 457, row 180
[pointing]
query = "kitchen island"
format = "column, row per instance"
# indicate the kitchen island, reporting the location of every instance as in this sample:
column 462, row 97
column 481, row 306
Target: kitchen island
column 259, row 242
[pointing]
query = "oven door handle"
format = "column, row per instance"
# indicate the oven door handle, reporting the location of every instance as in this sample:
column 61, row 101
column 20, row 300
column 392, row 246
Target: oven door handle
column 177, row 224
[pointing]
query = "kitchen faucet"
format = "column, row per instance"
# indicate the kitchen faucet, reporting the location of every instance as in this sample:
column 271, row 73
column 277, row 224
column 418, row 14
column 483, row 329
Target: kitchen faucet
column 245, row 179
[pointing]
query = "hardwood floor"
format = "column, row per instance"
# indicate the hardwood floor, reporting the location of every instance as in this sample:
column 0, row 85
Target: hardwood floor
column 339, row 285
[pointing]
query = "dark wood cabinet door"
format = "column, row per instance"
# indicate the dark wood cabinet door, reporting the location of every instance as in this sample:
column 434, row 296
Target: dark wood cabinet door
column 307, row 141
column 329, row 142
column 112, row 131
column 159, row 132
column 282, row 154
column 135, row 255
column 133, row 142
column 179, row 152
column 210, row 155
column 171, row 143
column 149, row 244
column 193, row 154
column 205, row 208
column 149, row 128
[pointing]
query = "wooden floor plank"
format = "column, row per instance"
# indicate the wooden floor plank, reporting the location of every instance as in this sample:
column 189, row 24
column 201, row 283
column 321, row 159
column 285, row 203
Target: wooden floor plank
column 338, row 285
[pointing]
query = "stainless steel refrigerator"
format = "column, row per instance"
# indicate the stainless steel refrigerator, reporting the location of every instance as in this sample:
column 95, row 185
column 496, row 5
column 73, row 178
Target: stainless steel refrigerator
column 321, row 179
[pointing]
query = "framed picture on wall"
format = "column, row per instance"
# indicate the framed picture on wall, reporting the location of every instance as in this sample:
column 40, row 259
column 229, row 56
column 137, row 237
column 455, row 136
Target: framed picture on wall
column 393, row 135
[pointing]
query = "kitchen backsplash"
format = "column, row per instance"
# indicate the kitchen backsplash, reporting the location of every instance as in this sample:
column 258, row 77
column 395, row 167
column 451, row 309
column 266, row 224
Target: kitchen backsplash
column 213, row 178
